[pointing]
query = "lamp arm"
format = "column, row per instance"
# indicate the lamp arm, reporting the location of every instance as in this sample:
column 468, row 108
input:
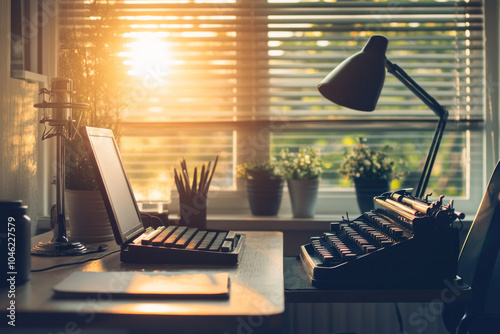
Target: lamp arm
column 398, row 72
column 439, row 110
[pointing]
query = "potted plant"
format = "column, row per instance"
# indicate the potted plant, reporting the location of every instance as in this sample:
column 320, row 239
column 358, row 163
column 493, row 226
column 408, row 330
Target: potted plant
column 302, row 171
column 90, row 58
column 370, row 170
column 264, row 186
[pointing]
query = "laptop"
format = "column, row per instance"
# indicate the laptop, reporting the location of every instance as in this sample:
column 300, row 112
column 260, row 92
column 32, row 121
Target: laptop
column 165, row 244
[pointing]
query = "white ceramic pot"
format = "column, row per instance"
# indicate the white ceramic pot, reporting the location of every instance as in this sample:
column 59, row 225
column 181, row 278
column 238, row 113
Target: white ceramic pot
column 88, row 219
column 303, row 195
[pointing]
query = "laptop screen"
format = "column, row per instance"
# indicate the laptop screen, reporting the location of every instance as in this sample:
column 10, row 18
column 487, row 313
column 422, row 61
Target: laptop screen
column 114, row 185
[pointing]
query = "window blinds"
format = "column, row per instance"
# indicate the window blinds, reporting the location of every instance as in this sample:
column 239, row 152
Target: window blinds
column 253, row 59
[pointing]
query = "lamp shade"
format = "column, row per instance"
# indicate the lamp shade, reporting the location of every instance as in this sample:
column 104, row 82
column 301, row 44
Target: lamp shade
column 356, row 83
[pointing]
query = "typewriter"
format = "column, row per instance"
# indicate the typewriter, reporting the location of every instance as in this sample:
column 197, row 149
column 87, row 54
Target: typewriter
column 404, row 242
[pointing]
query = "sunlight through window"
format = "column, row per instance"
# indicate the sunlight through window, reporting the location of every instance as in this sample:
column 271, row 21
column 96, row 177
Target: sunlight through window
column 148, row 55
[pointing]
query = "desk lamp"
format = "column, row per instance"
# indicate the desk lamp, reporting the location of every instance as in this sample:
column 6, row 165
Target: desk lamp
column 58, row 116
column 356, row 83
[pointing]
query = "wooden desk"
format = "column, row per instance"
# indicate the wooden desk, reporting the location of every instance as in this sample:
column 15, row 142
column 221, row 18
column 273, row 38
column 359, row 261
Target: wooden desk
column 256, row 300
column 298, row 289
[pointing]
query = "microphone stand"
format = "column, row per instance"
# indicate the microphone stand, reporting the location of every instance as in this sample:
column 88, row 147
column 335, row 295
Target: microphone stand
column 59, row 118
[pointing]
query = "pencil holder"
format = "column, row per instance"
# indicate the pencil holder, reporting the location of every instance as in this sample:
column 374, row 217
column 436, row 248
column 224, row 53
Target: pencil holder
column 193, row 211
column 193, row 194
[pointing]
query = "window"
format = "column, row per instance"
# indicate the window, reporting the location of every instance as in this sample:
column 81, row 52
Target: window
column 237, row 79
column 29, row 27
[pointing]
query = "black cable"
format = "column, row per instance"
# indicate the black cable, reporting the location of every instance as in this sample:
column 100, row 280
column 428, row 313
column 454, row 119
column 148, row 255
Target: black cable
column 400, row 318
column 72, row 263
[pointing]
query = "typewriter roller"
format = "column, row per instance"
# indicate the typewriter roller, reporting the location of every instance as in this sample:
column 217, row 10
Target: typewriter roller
column 403, row 242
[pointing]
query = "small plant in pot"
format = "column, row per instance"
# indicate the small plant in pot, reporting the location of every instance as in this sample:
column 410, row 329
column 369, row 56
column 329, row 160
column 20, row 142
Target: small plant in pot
column 371, row 171
column 302, row 170
column 264, row 186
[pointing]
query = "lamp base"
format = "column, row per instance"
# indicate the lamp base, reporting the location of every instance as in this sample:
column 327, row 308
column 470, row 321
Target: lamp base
column 66, row 248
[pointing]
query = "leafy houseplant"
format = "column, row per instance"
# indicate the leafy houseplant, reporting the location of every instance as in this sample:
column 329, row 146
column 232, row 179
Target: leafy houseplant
column 263, row 170
column 264, row 186
column 302, row 170
column 90, row 58
column 364, row 163
column 303, row 165
column 370, row 170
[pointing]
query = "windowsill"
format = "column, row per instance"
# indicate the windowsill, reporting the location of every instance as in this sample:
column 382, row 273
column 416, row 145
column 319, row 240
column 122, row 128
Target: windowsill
column 250, row 223
column 331, row 205
column 274, row 223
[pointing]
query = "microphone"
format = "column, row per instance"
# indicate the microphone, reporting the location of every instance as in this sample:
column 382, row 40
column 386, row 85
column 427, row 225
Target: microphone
column 61, row 89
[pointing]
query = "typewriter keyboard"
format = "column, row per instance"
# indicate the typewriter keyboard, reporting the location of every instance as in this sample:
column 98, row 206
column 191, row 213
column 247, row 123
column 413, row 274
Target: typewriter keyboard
column 350, row 239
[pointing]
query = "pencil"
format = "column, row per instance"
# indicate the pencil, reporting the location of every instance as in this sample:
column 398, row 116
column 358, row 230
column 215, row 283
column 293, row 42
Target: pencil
column 193, row 188
column 178, row 183
column 207, row 187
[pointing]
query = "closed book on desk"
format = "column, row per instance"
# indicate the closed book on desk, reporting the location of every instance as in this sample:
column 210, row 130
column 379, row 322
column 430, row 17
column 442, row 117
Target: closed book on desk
column 144, row 285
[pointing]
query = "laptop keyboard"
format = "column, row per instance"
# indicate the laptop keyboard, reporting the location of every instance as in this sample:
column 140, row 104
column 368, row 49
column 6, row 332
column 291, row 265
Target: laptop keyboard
column 187, row 238
column 183, row 244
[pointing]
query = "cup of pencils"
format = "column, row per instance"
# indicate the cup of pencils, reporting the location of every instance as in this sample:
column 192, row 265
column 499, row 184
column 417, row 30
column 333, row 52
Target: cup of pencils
column 193, row 193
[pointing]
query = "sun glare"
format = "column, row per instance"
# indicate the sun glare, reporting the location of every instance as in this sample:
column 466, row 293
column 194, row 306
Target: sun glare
column 148, row 56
